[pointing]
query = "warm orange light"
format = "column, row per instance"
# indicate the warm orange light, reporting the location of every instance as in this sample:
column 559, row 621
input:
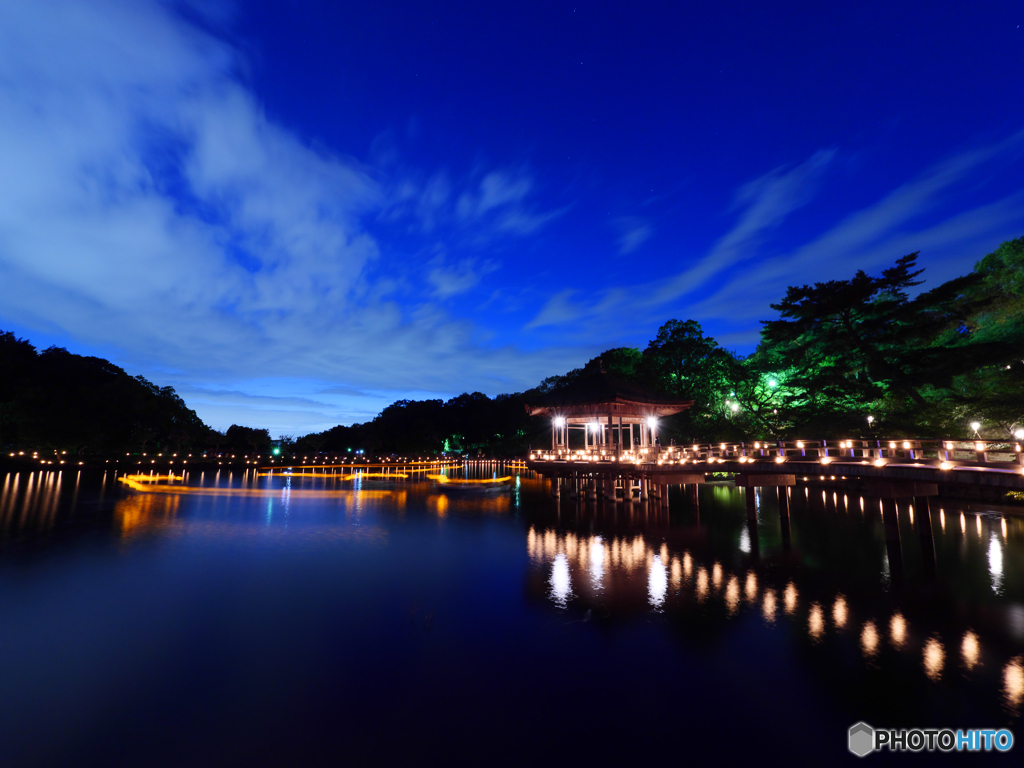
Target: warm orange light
column 898, row 630
column 1013, row 683
column 934, row 658
column 816, row 622
column 789, row 597
column 970, row 649
column 839, row 612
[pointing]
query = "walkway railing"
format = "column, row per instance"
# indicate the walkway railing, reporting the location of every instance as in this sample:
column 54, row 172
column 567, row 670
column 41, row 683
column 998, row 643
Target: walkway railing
column 998, row 455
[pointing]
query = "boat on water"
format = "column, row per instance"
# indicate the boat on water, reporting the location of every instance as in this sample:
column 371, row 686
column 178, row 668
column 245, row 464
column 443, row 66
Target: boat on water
column 479, row 485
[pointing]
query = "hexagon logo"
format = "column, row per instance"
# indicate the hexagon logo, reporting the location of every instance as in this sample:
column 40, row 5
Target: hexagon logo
column 862, row 739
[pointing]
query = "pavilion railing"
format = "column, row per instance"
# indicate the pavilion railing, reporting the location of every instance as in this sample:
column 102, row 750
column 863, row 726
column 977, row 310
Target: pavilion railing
column 942, row 454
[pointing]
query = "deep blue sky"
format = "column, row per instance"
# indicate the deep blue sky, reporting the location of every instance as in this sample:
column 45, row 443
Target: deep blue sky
column 296, row 213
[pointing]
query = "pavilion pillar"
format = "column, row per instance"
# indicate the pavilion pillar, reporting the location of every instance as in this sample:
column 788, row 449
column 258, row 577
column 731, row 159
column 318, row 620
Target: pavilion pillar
column 554, row 436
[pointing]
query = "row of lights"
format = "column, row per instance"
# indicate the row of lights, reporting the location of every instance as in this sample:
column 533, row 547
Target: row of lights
column 560, row 422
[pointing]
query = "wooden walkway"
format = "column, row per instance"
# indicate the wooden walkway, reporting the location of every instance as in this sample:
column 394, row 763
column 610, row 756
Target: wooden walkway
column 884, row 468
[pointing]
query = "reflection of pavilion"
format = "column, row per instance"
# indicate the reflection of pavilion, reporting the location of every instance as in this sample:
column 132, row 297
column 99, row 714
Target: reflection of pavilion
column 615, row 576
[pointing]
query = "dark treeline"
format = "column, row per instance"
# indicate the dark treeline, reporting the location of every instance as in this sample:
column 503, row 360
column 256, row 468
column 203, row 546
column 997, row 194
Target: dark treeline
column 838, row 353
column 469, row 423
column 58, row 401
column 55, row 400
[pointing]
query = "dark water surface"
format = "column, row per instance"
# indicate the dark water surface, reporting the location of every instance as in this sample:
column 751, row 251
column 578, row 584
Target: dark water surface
column 382, row 620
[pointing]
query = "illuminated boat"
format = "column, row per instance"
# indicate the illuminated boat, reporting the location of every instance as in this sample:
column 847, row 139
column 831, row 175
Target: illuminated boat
column 490, row 484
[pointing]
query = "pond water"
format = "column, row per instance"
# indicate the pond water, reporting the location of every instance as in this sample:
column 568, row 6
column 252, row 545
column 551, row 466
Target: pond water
column 311, row 619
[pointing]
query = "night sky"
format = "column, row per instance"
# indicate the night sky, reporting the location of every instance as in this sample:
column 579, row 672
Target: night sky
column 298, row 212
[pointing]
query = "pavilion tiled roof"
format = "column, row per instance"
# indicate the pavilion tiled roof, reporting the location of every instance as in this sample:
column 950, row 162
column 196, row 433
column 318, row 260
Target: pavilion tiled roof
column 598, row 387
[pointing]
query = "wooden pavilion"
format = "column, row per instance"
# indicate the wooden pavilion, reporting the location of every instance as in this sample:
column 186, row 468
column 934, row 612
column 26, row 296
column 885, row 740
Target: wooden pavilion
column 614, row 415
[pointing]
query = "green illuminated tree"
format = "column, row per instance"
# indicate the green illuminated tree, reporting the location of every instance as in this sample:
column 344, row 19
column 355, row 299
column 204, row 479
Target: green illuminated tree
column 862, row 346
column 682, row 361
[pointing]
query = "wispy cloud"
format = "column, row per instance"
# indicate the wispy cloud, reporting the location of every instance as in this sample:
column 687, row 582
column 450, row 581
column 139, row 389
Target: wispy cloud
column 764, row 203
column 711, row 288
column 451, row 280
column 881, row 232
column 634, row 231
column 149, row 203
column 497, row 189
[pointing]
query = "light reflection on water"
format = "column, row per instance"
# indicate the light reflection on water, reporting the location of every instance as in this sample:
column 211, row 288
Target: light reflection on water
column 816, row 622
column 898, row 630
column 995, row 560
column 934, row 658
column 750, row 590
column 675, row 577
column 1013, row 684
column 561, row 582
column 768, row 605
column 869, row 639
column 638, row 564
column 839, row 612
column 789, row 598
column 657, row 583
column 29, row 500
column 969, row 649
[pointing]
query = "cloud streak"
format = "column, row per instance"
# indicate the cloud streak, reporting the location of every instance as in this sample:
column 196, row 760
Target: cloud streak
column 148, row 203
column 871, row 237
column 634, row 232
